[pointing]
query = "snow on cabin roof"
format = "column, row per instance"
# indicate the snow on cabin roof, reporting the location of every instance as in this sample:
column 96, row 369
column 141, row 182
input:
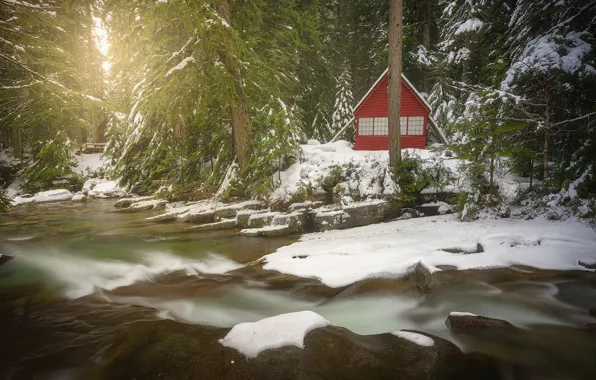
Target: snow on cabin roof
column 418, row 94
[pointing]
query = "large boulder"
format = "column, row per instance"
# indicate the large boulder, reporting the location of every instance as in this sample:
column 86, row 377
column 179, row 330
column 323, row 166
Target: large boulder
column 244, row 215
column 330, row 220
column 360, row 214
column 169, row 350
column 295, row 220
column 262, row 219
column 199, row 217
column 332, row 353
column 230, row 210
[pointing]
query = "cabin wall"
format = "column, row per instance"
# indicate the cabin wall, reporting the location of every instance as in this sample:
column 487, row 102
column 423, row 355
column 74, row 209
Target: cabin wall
column 377, row 105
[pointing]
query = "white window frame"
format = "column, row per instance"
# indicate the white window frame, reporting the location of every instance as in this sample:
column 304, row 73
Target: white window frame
column 371, row 126
column 403, row 125
column 418, row 126
column 385, row 127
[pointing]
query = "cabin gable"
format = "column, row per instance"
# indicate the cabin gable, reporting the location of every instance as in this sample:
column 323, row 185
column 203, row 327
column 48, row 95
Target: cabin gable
column 374, row 108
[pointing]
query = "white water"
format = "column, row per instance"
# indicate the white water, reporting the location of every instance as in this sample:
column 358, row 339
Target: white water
column 522, row 304
column 83, row 276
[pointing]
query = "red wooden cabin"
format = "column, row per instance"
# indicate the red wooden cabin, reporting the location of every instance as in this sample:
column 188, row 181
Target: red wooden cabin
column 371, row 118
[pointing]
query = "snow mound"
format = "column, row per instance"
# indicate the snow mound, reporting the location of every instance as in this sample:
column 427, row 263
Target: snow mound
column 342, row 257
column 44, row 197
column 102, row 188
column 282, row 330
column 419, row 339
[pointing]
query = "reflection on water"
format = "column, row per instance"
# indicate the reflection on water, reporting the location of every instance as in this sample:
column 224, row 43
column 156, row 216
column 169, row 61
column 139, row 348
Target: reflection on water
column 83, row 272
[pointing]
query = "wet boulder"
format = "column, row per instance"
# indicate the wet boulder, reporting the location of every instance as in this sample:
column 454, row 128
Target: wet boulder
column 126, row 202
column 464, row 321
column 4, row 259
column 336, row 353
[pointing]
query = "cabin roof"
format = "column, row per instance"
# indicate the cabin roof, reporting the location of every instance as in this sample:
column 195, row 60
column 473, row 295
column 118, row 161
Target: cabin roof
column 408, row 83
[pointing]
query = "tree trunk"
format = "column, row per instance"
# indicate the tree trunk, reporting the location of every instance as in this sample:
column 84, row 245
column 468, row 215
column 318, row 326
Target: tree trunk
column 531, row 173
column 545, row 158
column 92, row 71
column 238, row 112
column 396, row 8
column 492, row 169
column 426, row 37
column 16, row 139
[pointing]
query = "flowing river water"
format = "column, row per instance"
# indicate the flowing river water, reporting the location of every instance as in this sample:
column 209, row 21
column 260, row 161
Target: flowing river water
column 82, row 273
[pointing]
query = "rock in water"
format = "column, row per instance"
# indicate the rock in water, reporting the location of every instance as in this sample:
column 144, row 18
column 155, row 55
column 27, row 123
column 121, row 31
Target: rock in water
column 592, row 312
column 79, row 197
column 462, row 321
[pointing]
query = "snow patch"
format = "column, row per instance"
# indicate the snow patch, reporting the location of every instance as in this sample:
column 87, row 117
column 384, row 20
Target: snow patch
column 282, row 330
column 419, row 339
column 462, row 314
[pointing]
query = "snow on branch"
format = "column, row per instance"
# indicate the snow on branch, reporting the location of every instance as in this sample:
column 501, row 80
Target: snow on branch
column 180, row 66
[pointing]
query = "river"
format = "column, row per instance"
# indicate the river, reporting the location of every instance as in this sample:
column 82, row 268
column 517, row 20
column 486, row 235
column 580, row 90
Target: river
column 83, row 272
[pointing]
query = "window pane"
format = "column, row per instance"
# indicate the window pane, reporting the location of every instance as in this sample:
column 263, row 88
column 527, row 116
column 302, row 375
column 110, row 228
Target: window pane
column 403, row 125
column 416, row 125
column 365, row 126
column 381, row 126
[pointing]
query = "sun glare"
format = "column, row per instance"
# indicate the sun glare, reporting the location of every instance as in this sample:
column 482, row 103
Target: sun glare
column 101, row 39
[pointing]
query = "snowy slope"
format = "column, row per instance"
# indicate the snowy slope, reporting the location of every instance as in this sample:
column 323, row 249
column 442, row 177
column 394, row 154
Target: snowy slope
column 370, row 179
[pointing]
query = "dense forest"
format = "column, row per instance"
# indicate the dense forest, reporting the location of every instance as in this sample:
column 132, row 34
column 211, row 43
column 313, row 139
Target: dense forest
column 195, row 91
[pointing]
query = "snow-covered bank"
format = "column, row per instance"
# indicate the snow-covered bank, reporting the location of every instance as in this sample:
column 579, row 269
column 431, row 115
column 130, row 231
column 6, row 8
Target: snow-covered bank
column 342, row 257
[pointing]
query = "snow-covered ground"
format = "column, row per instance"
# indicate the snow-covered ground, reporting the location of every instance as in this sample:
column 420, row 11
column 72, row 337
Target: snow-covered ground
column 89, row 163
column 369, row 176
column 342, row 257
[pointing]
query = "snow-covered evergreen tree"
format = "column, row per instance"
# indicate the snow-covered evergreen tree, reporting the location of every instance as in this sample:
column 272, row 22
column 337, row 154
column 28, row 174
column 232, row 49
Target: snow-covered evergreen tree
column 343, row 107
